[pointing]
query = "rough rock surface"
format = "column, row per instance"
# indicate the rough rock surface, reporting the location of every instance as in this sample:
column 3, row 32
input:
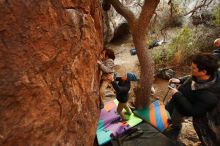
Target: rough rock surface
column 48, row 74
column 114, row 24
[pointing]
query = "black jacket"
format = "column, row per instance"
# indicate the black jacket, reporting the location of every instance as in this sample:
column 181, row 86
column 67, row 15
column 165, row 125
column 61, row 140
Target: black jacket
column 202, row 99
column 122, row 88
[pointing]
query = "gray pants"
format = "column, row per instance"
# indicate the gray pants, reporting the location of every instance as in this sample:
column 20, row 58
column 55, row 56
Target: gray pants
column 177, row 118
column 200, row 124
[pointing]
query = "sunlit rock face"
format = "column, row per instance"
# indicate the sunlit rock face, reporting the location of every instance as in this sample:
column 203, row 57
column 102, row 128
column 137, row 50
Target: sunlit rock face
column 49, row 79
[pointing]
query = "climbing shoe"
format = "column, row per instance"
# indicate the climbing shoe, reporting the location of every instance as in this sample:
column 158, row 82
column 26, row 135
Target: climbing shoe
column 101, row 105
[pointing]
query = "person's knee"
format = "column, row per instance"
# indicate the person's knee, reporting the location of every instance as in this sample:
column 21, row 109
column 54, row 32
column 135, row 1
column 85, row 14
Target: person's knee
column 101, row 92
column 102, row 88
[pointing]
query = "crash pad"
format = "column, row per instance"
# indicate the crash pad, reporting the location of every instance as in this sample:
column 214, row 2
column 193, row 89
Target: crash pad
column 110, row 124
column 155, row 114
column 150, row 137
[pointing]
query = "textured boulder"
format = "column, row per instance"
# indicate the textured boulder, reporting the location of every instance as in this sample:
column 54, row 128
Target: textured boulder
column 114, row 24
column 48, row 74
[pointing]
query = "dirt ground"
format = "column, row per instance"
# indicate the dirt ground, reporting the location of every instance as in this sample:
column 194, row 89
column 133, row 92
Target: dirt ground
column 126, row 62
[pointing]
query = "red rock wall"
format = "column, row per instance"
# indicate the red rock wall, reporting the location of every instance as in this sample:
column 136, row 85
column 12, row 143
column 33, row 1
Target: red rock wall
column 48, row 72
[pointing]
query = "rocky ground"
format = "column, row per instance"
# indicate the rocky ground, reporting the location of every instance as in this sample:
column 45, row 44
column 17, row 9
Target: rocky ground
column 126, row 62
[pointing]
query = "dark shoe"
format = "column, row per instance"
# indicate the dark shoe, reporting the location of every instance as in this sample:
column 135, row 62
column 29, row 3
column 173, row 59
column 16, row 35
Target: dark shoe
column 101, row 105
column 172, row 132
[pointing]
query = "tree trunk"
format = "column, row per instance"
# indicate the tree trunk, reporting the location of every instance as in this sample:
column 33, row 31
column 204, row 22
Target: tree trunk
column 147, row 70
column 138, row 27
column 146, row 62
column 48, row 72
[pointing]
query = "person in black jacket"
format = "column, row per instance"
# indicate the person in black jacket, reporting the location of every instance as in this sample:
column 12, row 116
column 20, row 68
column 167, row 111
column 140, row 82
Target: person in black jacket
column 195, row 97
column 122, row 86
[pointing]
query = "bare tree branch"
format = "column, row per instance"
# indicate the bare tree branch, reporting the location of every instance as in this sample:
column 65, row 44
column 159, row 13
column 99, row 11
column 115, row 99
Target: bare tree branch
column 138, row 3
column 124, row 11
column 171, row 7
column 146, row 14
column 153, row 20
column 204, row 3
column 164, row 33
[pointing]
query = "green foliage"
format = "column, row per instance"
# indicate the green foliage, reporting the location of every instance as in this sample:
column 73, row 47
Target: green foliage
column 182, row 43
column 157, row 56
column 149, row 41
column 181, row 47
column 216, row 14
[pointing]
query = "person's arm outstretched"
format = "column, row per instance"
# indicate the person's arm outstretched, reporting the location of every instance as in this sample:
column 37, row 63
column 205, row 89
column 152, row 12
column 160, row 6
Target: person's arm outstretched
column 106, row 67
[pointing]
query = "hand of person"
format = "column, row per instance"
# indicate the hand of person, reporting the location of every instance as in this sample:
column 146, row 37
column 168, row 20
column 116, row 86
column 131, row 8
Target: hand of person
column 102, row 56
column 173, row 91
column 110, row 77
column 99, row 62
column 174, row 80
